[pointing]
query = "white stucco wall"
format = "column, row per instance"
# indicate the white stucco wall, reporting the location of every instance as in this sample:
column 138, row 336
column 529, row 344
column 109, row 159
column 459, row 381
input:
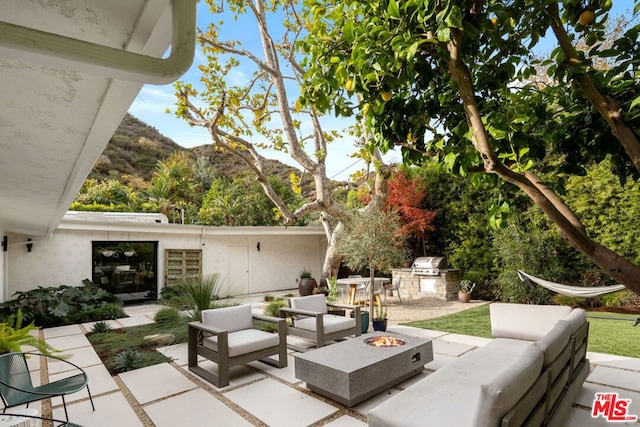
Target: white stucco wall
column 65, row 257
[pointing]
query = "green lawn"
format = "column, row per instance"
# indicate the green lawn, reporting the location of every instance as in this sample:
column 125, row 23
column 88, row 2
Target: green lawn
column 605, row 335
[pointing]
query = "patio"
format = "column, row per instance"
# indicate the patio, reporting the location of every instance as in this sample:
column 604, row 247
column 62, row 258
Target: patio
column 168, row 395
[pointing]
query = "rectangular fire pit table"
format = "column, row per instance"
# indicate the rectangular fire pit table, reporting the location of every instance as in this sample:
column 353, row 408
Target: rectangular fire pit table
column 352, row 371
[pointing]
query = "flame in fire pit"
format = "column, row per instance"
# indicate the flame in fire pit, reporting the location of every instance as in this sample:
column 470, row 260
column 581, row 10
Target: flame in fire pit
column 384, row 341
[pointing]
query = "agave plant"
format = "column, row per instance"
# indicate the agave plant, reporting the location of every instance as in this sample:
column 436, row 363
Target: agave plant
column 128, row 360
column 101, row 327
column 13, row 336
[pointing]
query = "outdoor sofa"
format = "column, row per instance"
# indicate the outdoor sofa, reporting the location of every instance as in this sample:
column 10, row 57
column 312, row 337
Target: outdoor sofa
column 530, row 374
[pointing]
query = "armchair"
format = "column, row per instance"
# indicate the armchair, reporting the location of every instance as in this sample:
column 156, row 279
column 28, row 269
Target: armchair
column 226, row 337
column 310, row 320
column 17, row 389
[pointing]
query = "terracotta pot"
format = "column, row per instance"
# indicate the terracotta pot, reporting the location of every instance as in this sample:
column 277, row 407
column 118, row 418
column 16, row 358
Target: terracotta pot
column 306, row 286
column 464, row 296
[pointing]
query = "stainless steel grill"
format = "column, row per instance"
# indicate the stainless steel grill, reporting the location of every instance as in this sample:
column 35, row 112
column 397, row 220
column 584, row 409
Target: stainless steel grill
column 429, row 266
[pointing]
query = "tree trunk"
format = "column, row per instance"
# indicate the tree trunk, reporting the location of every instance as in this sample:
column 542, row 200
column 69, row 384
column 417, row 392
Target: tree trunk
column 619, row 268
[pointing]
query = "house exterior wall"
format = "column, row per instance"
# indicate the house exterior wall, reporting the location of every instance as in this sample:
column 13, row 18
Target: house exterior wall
column 65, row 258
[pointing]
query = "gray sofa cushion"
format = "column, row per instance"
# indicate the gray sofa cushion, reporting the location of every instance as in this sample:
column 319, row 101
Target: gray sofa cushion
column 525, row 322
column 504, row 390
column 555, row 341
column 577, row 318
column 231, row 319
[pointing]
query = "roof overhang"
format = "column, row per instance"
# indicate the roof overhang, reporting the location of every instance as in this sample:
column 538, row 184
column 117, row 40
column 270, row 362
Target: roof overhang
column 69, row 73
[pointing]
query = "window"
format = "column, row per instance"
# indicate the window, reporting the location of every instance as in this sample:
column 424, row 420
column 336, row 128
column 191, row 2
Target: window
column 127, row 269
column 182, row 264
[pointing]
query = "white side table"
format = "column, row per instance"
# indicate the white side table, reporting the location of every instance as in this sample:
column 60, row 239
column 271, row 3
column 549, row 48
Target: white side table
column 13, row 418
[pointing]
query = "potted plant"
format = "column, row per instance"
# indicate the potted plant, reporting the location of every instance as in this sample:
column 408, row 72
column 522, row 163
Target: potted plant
column 306, row 283
column 13, row 336
column 380, row 318
column 466, row 287
column 370, row 239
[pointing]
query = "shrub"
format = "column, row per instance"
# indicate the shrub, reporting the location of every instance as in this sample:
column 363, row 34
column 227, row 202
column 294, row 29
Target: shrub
column 174, row 296
column 167, row 316
column 62, row 305
column 273, row 309
column 201, row 293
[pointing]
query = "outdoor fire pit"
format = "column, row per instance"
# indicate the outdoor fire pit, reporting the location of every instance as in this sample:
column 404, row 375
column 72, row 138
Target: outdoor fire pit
column 356, row 369
column 384, row 341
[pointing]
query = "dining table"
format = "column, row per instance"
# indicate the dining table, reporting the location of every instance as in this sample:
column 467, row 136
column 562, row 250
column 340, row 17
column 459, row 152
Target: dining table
column 354, row 282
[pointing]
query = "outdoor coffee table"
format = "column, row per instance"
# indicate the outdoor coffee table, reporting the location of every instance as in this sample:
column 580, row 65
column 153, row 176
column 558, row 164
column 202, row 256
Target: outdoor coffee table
column 352, row 371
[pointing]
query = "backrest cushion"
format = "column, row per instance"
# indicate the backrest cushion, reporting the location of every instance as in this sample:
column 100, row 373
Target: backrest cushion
column 555, row 341
column 231, row 319
column 315, row 303
column 525, row 321
column 576, row 319
column 502, row 392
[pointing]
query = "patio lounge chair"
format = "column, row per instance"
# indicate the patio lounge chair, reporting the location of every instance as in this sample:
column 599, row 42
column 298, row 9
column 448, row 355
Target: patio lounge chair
column 227, row 337
column 17, row 389
column 310, row 320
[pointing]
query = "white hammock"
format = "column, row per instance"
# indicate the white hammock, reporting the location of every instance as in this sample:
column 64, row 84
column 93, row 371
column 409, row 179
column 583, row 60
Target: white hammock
column 571, row 291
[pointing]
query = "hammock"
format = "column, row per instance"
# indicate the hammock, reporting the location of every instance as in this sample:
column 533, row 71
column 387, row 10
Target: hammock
column 571, row 291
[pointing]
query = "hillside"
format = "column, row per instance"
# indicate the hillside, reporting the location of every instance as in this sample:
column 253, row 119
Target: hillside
column 136, row 148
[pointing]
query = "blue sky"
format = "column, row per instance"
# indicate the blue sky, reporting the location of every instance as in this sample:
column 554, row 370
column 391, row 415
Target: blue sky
column 152, row 101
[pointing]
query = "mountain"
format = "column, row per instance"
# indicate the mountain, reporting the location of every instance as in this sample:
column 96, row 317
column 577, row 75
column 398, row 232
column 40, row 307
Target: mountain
column 136, row 148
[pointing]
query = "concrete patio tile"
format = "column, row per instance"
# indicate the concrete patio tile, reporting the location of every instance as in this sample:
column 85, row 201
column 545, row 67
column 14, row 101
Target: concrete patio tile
column 287, row 374
column 416, row 332
column 238, row 375
column 111, row 410
column 135, row 321
column 142, row 310
column 155, row 382
column 588, row 393
column 83, row 357
column 615, row 377
column 69, row 342
column 100, row 381
column 466, row 339
column 450, row 348
column 364, row 407
column 193, row 408
column 61, row 331
column 614, row 361
column 279, row 405
column 298, row 342
column 346, row 421
column 440, row 360
column 177, row 352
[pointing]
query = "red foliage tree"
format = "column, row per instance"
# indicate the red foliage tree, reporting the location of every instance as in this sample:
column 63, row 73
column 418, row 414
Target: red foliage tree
column 406, row 195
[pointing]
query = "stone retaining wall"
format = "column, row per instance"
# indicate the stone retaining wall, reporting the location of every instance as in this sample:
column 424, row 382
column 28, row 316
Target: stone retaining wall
column 444, row 287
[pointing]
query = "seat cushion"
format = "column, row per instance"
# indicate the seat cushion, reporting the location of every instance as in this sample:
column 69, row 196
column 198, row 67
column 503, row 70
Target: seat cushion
column 331, row 323
column 315, row 303
column 244, row 341
column 576, row 319
column 230, row 319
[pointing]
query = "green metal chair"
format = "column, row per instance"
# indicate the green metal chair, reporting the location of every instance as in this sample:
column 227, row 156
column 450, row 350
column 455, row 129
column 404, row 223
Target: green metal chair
column 17, row 389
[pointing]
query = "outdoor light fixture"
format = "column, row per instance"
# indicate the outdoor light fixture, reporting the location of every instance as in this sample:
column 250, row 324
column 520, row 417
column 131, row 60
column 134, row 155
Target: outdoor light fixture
column 5, row 243
column 258, row 246
column 29, row 245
